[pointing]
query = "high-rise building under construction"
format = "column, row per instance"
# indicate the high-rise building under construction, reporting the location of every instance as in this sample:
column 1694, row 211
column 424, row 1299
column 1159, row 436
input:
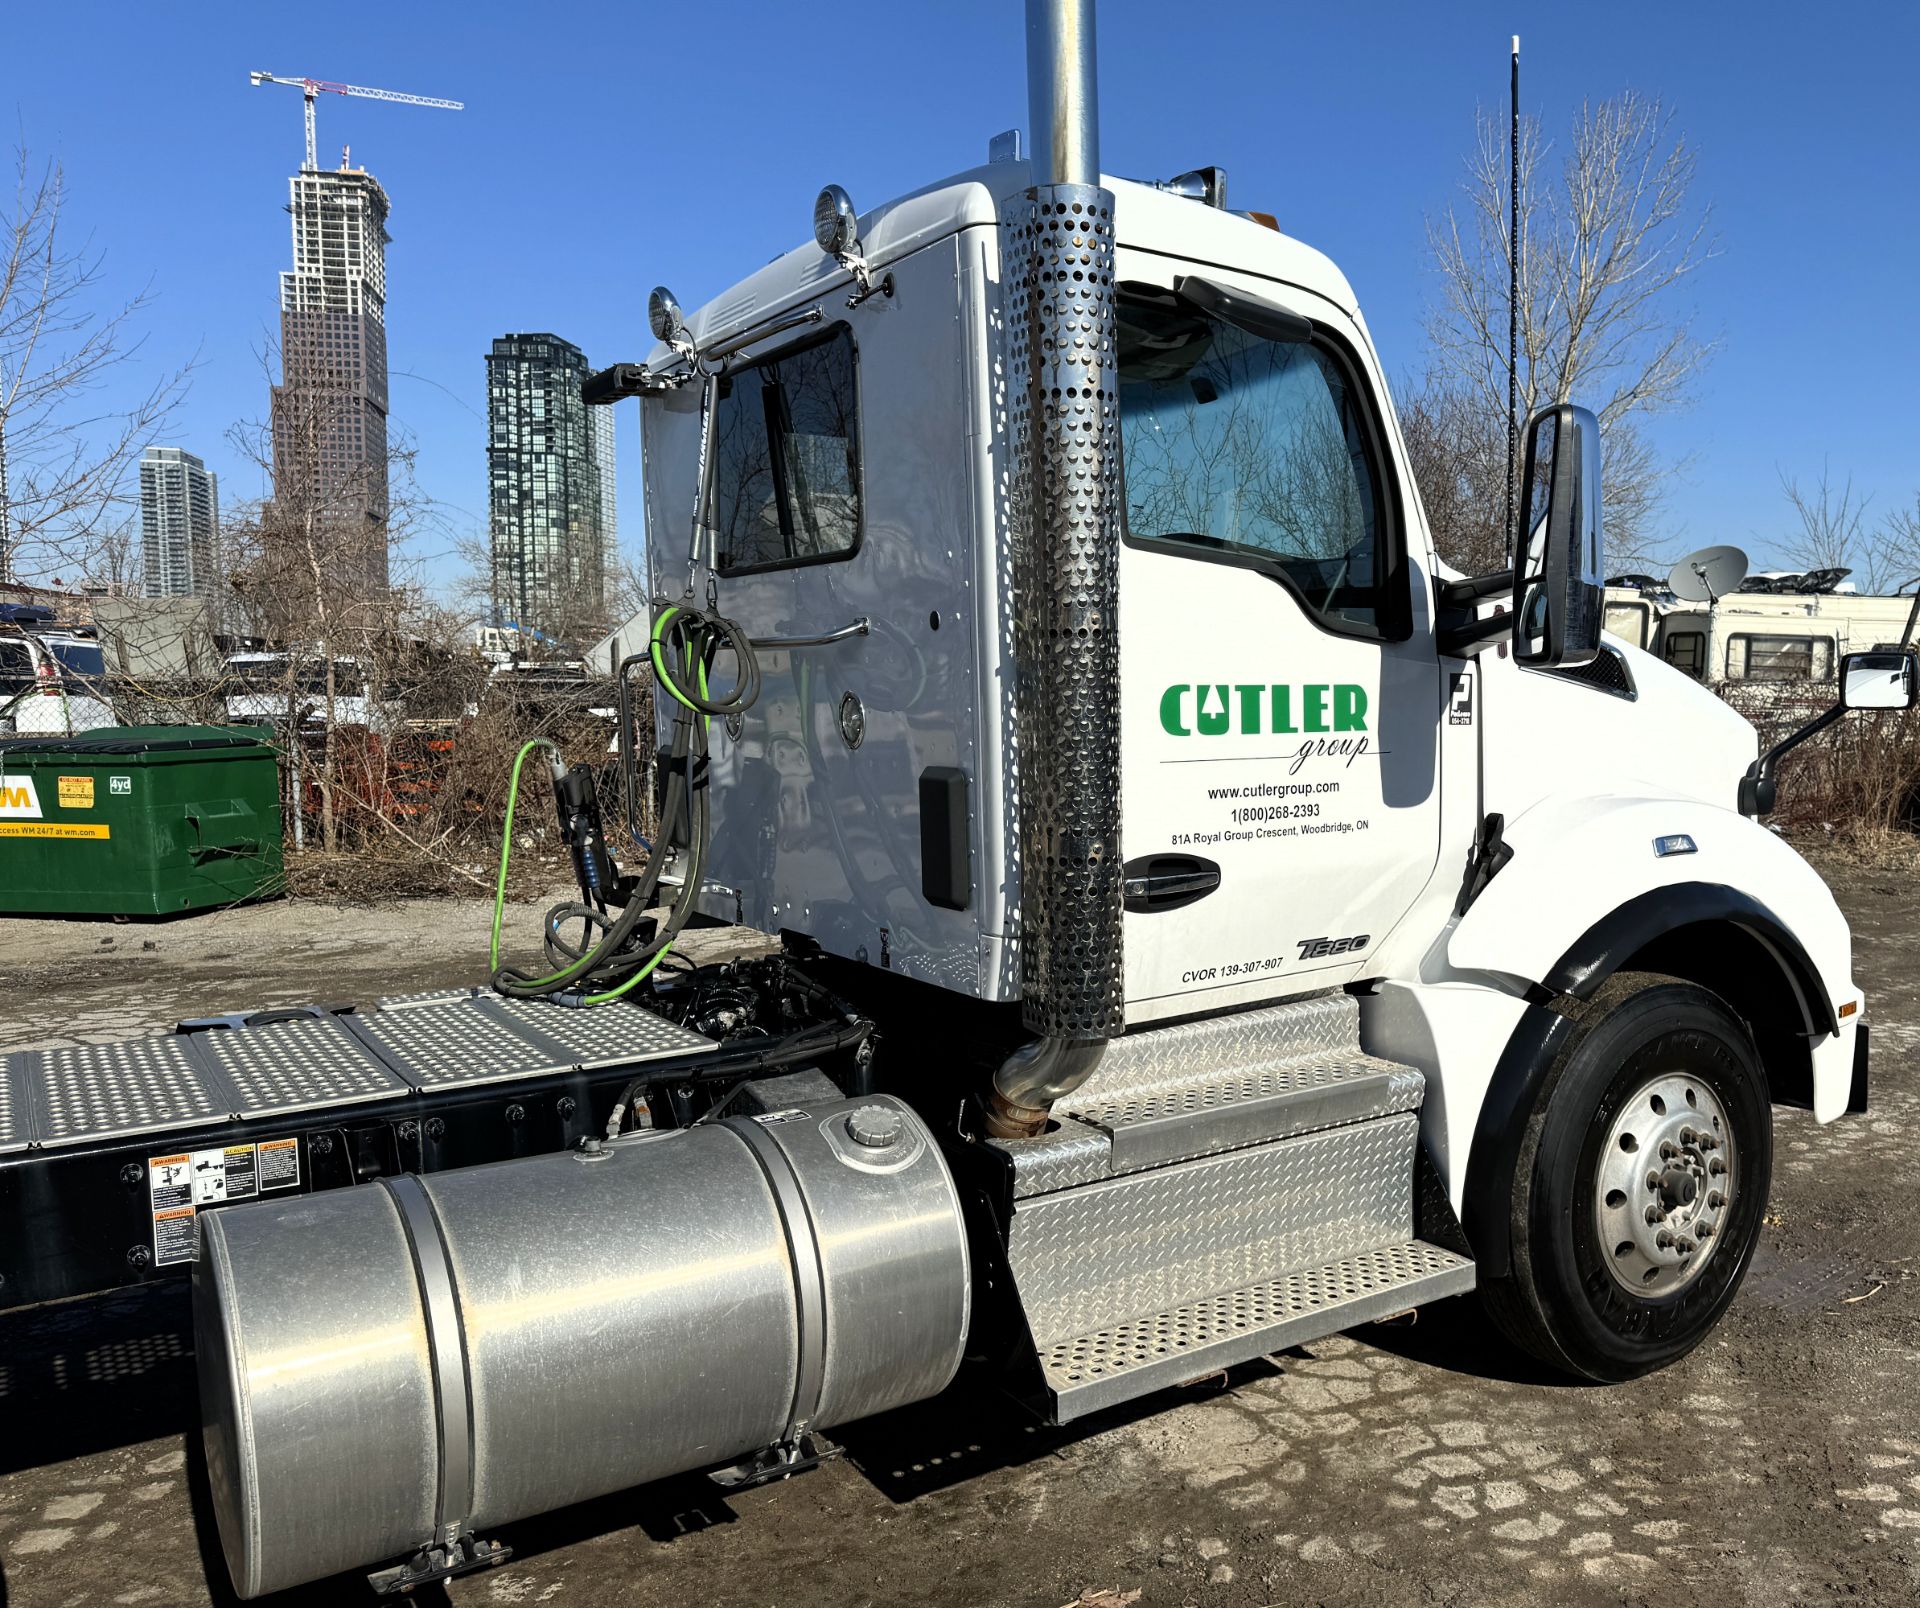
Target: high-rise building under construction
column 330, row 409
column 550, row 489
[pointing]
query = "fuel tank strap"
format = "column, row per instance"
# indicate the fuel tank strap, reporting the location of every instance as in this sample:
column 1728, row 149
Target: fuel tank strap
column 446, row 1346
column 809, row 1282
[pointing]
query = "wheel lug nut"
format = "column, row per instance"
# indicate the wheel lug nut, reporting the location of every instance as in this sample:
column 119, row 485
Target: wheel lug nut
column 1653, row 1180
column 1654, row 1214
column 1666, row 1150
column 1685, row 1246
column 1664, row 1240
column 1716, row 1166
column 1715, row 1200
column 1688, row 1136
column 1704, row 1230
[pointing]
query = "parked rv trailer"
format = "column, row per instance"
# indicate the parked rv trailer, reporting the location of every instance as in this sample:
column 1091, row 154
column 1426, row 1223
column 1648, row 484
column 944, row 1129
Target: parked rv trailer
column 1752, row 637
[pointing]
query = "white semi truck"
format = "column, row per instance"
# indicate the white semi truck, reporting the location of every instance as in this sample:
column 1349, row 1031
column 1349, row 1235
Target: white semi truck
column 1208, row 922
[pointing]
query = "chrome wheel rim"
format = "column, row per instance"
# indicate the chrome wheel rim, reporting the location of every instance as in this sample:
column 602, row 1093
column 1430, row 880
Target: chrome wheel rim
column 1665, row 1185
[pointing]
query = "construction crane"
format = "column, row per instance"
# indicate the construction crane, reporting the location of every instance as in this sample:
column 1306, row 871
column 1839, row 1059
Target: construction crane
column 313, row 87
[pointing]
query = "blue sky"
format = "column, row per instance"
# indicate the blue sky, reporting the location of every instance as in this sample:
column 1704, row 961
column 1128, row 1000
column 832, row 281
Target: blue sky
column 607, row 147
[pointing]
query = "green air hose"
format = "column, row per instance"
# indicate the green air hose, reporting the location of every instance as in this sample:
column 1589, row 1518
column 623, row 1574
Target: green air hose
column 682, row 646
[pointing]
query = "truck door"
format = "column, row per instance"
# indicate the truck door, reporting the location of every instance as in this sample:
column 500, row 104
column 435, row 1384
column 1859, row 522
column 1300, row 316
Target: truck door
column 1279, row 682
column 842, row 515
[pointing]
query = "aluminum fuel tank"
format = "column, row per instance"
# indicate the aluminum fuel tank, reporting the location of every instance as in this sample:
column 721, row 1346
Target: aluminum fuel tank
column 385, row 1366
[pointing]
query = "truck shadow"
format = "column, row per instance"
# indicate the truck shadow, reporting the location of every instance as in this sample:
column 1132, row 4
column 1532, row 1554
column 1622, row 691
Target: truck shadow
column 1456, row 1337
column 91, row 1376
column 95, row 1374
column 973, row 1429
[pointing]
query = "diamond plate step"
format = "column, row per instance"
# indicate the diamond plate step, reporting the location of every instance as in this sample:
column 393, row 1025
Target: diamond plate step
column 1087, row 1258
column 1223, row 1111
column 1087, row 1372
column 1163, row 1095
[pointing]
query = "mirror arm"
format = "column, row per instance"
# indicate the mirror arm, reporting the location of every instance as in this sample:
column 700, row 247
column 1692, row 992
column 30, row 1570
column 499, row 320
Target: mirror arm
column 1470, row 589
column 1913, row 615
column 1757, row 787
column 1464, row 640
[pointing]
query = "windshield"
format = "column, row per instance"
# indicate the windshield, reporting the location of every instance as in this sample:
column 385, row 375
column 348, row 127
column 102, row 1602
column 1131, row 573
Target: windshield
column 80, row 658
column 1253, row 449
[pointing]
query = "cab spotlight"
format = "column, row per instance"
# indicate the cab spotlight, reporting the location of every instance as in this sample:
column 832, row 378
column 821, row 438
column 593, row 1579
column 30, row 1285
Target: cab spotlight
column 836, row 226
column 664, row 317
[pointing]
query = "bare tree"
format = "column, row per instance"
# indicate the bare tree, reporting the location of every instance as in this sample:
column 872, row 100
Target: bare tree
column 1457, row 450
column 1830, row 519
column 1898, row 543
column 64, row 450
column 1608, row 241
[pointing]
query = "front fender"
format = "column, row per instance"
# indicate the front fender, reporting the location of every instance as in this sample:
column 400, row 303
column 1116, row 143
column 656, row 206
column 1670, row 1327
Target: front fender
column 1585, row 889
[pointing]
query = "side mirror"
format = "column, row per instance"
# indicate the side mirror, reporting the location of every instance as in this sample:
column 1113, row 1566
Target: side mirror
column 1882, row 679
column 1559, row 595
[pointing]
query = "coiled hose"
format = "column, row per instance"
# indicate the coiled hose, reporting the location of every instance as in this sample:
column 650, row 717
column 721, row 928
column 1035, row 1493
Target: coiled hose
column 683, row 645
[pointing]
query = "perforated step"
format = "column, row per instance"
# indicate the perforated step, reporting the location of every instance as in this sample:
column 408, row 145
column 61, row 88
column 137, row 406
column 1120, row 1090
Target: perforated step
column 1087, row 1372
column 424, row 1044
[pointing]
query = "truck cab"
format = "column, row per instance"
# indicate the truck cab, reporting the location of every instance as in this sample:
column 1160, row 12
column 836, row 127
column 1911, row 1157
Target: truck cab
column 1333, row 776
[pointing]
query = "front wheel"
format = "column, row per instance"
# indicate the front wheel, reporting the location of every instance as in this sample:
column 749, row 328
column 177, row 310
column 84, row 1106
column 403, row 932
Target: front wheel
column 1642, row 1182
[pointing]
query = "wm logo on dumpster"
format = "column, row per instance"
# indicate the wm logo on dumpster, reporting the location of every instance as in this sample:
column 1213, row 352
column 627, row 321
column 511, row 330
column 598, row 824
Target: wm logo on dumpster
column 18, row 800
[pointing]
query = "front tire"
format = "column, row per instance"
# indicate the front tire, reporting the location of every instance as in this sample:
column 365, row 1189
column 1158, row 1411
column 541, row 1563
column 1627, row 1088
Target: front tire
column 1641, row 1182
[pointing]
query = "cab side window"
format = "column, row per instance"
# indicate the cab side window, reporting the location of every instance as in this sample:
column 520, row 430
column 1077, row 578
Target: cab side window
column 1260, row 453
column 786, row 480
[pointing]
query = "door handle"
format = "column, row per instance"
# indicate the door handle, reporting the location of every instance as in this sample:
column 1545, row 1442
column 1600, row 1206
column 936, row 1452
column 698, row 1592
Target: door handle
column 1159, row 882
column 859, row 627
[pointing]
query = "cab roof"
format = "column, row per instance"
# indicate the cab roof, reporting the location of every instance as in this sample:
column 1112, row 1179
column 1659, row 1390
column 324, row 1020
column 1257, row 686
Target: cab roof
column 1146, row 219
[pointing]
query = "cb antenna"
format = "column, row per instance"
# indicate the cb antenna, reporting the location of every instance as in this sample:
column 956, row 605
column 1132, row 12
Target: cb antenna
column 1513, row 281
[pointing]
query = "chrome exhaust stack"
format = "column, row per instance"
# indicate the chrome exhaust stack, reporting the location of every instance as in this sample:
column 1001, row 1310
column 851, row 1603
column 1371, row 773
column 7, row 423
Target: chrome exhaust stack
column 1065, row 529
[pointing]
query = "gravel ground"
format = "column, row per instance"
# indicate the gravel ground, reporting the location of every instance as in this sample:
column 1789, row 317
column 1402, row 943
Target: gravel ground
column 1778, row 1464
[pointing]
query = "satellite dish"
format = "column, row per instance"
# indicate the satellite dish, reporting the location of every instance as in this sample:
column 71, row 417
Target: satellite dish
column 1709, row 574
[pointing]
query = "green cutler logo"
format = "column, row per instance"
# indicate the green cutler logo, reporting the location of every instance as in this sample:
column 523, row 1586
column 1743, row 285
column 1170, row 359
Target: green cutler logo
column 1212, row 709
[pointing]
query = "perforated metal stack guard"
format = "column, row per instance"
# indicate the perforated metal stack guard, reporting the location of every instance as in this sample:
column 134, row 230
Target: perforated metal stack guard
column 1065, row 534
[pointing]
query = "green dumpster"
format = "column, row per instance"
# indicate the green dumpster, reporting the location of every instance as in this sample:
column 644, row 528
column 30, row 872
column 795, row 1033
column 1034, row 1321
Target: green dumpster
column 138, row 820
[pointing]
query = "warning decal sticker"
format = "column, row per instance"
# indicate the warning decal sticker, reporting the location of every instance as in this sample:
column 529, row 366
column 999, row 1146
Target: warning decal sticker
column 76, row 792
column 279, row 1163
column 179, row 1185
column 176, row 1238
